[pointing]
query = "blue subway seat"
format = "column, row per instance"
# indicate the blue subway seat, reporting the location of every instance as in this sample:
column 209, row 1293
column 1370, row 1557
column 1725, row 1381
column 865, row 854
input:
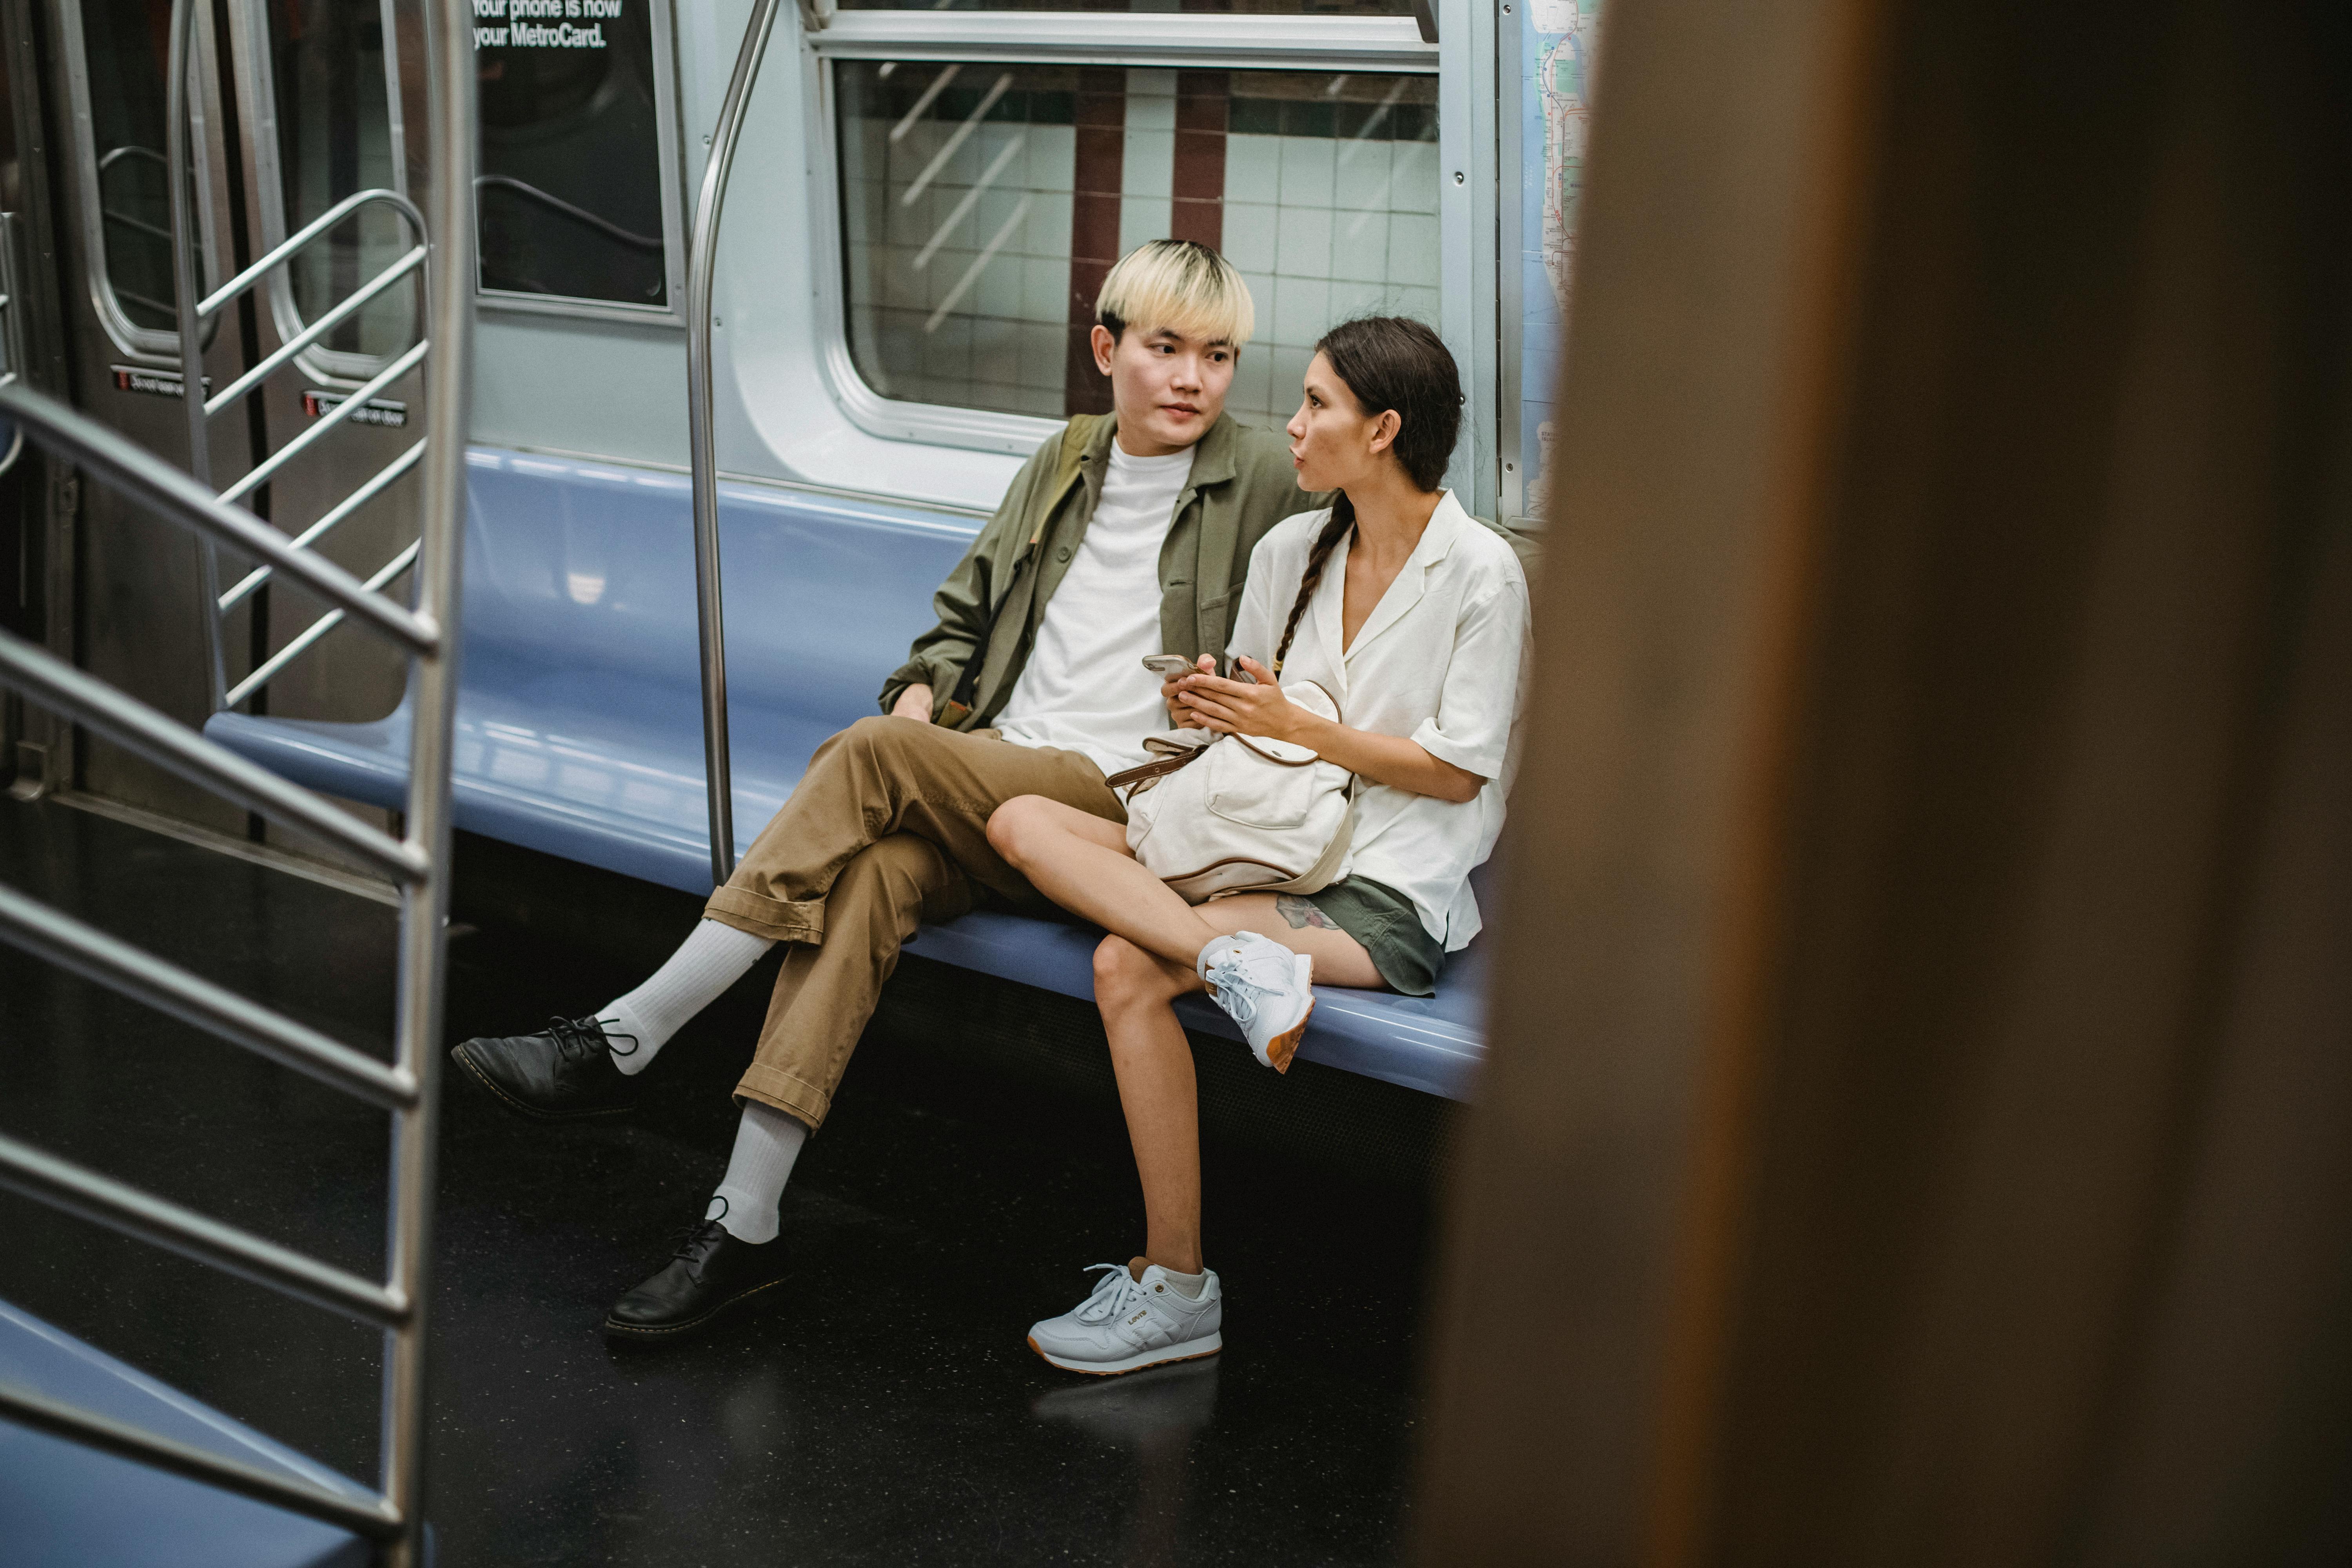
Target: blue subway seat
column 580, row 727
column 66, row 1506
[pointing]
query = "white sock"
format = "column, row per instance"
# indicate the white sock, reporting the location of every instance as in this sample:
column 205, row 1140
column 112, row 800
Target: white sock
column 1189, row 1286
column 767, row 1142
column 641, row 1023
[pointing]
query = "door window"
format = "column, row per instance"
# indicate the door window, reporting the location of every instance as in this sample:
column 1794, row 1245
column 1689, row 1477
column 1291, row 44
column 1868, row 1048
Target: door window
column 117, row 51
column 335, row 137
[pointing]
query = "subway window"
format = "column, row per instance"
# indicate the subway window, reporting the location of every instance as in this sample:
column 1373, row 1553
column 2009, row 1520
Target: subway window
column 1228, row 7
column 983, row 202
column 334, row 138
column 123, row 46
column 570, row 193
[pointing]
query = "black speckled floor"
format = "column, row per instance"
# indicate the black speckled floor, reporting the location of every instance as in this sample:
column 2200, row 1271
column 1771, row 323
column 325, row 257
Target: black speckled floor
column 885, row 1410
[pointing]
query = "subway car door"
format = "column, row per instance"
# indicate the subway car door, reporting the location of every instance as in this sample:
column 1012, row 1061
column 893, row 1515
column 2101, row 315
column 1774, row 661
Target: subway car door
column 294, row 106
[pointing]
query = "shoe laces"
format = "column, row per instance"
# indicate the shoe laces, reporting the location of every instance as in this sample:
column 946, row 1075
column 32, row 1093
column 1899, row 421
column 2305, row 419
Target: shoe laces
column 579, row 1037
column 1114, row 1293
column 691, row 1242
column 1238, row 993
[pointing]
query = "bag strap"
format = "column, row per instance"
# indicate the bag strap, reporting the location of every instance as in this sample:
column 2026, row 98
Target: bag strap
column 1074, row 437
column 1148, row 772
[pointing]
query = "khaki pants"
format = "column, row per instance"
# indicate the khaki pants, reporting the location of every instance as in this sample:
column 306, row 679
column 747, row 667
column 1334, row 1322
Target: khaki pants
column 887, row 829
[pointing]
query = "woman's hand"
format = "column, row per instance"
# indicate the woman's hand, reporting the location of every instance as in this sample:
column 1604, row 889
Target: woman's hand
column 1184, row 716
column 1231, row 707
column 1236, row 707
column 914, row 702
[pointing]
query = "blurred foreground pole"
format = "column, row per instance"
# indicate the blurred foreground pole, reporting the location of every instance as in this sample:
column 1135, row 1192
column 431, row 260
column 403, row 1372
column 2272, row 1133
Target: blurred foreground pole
column 1919, row 1126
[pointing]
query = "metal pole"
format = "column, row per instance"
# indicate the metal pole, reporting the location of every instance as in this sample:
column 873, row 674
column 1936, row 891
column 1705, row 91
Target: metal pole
column 366, row 1516
column 702, row 260
column 192, row 339
column 449, row 305
column 121, row 464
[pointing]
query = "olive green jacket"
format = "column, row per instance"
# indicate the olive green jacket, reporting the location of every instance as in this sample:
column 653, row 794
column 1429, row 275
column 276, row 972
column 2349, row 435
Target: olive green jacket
column 1241, row 483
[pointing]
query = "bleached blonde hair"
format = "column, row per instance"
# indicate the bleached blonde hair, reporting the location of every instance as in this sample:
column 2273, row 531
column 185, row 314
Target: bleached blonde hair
column 1178, row 286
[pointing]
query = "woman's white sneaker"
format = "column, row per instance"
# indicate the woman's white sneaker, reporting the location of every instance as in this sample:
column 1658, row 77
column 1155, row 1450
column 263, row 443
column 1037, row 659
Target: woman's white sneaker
column 1127, row 1324
column 1265, row 988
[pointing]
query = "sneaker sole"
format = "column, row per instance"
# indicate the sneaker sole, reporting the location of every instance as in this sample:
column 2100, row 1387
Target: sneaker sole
column 463, row 1058
column 639, row 1331
column 1282, row 1046
column 1191, row 1350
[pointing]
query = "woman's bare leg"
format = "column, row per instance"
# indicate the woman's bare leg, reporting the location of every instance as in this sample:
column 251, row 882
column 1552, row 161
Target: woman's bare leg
column 1298, row 925
column 1082, row 863
column 1135, row 991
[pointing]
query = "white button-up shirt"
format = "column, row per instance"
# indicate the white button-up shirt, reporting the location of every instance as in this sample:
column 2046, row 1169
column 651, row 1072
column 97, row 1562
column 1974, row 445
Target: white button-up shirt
column 1442, row 659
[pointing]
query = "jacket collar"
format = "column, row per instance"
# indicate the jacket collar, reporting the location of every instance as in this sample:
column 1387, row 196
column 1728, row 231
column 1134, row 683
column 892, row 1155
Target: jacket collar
column 1212, row 455
column 1437, row 540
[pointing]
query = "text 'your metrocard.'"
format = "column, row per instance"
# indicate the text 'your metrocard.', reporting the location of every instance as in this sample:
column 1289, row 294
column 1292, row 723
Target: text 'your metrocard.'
column 517, row 24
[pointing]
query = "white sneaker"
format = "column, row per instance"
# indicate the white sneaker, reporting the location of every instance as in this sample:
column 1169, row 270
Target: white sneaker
column 1265, row 988
column 1127, row 1324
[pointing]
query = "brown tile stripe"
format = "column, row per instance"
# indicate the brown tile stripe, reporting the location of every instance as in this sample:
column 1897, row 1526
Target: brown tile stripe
column 1199, row 211
column 1094, row 225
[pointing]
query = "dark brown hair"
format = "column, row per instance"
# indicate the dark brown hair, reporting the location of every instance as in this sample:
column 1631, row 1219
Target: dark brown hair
column 1388, row 362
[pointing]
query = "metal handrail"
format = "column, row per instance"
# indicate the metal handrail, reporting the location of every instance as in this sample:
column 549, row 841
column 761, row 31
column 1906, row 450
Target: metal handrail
column 262, row 472
column 136, row 727
column 351, row 305
column 408, row 1085
column 286, row 249
column 341, row 510
column 79, row 1190
column 296, row 645
column 143, row 477
column 12, row 333
column 702, row 262
column 149, row 481
column 375, row 1518
column 94, row 955
column 193, row 312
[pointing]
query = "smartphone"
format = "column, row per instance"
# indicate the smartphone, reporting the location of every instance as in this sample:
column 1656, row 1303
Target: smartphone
column 1167, row 666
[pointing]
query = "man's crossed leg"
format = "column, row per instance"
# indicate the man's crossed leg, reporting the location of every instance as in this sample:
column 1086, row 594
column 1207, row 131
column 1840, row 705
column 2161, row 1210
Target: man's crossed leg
column 887, row 829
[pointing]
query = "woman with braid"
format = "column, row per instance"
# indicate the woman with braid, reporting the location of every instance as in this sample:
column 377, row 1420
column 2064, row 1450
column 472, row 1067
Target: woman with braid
column 1414, row 616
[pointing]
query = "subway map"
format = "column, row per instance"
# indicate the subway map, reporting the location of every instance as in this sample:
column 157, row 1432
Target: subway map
column 1559, row 42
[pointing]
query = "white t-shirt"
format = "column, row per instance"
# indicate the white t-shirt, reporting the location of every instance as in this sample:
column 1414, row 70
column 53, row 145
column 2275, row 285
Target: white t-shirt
column 1085, row 688
column 1442, row 659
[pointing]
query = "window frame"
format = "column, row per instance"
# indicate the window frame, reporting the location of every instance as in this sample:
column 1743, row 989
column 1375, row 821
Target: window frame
column 151, row 345
column 669, row 158
column 1389, row 45
column 257, row 84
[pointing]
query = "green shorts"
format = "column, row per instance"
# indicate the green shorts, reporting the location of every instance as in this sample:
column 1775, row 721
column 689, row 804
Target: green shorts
column 1389, row 928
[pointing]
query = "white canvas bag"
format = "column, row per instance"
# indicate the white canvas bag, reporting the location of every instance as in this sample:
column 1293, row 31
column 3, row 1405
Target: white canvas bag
column 1222, row 815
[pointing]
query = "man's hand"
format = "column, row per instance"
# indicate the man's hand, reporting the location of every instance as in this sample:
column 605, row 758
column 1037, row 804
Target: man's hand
column 1185, row 718
column 915, row 703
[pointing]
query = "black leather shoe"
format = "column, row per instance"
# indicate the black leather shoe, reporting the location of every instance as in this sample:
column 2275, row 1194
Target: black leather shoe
column 710, row 1273
column 562, row 1073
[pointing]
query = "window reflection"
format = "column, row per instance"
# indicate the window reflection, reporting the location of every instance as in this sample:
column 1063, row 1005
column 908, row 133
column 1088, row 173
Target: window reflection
column 983, row 202
column 125, row 44
column 568, row 197
column 334, row 137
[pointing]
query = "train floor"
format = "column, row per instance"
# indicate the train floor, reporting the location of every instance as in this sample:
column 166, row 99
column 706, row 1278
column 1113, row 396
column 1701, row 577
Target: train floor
column 884, row 1410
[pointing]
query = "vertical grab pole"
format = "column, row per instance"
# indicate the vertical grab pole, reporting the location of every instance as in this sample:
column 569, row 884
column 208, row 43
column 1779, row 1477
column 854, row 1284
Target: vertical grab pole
column 186, row 287
column 424, row 910
column 702, row 259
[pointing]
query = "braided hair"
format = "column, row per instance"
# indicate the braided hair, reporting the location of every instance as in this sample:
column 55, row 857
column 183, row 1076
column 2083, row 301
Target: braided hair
column 1388, row 362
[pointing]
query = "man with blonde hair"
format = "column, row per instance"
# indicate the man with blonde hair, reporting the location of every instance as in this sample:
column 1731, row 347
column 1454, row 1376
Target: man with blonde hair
column 1125, row 535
